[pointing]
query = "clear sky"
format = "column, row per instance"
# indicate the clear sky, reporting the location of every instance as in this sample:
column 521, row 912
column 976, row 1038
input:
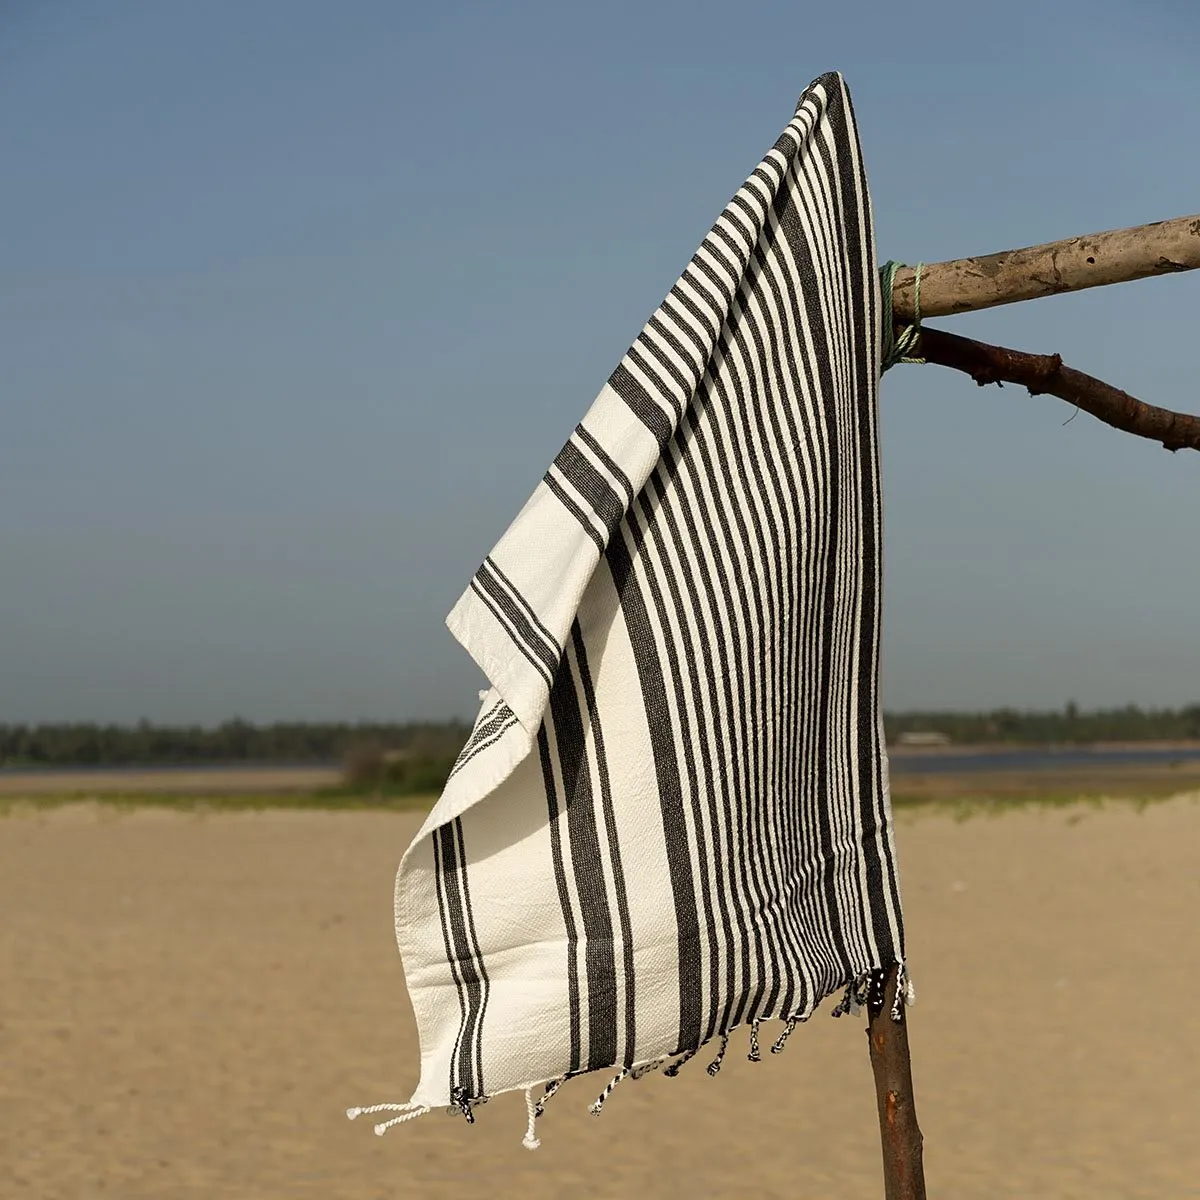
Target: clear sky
column 298, row 300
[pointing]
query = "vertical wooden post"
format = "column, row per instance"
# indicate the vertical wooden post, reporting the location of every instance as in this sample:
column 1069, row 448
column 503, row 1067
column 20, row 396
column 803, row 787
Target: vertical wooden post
column 900, row 1136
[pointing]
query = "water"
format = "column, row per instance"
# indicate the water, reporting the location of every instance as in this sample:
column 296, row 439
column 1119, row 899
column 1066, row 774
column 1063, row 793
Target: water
column 1035, row 758
column 903, row 762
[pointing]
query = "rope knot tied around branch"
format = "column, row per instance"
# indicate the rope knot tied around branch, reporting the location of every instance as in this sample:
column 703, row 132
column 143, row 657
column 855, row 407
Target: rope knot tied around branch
column 899, row 347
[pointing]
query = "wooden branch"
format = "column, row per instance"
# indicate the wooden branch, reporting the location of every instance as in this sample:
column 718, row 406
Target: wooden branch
column 968, row 284
column 900, row 1136
column 1045, row 373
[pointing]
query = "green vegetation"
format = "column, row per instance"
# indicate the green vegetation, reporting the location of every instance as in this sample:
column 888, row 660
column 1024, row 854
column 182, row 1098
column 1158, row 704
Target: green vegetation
column 414, row 755
column 324, row 799
column 1007, row 725
column 86, row 745
column 423, row 765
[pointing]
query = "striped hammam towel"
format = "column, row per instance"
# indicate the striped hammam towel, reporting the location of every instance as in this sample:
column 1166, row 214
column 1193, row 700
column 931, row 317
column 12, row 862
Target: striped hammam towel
column 672, row 816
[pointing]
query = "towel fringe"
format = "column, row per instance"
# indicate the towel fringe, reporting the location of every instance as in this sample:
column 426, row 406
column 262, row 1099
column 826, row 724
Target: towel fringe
column 855, row 997
column 868, row 989
column 461, row 1102
column 715, row 1066
column 781, row 1041
column 409, row 1112
column 598, row 1103
column 906, row 994
column 755, row 1055
column 648, row 1068
column 686, row 1057
column 531, row 1141
column 860, row 991
column 551, row 1088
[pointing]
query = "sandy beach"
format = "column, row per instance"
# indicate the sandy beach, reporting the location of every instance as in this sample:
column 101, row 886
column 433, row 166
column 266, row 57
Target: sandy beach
column 189, row 1001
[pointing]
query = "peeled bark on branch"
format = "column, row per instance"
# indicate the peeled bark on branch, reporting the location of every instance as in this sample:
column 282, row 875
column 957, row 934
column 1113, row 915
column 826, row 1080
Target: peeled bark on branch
column 1116, row 256
column 1046, row 373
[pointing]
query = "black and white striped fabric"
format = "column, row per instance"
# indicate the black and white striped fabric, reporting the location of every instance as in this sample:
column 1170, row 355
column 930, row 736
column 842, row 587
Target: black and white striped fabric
column 672, row 816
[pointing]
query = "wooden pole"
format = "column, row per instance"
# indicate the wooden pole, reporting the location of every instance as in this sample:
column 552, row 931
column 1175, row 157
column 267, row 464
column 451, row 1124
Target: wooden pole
column 900, row 1136
column 967, row 285
column 1116, row 256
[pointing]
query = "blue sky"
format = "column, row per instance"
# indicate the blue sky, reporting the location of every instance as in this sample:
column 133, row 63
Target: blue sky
column 297, row 301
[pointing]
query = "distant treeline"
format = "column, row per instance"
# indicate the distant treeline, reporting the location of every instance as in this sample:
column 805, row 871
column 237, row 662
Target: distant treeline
column 1129, row 724
column 319, row 742
column 231, row 742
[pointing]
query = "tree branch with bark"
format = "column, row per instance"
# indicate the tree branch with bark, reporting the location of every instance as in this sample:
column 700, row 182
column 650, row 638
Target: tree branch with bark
column 1092, row 260
column 1047, row 374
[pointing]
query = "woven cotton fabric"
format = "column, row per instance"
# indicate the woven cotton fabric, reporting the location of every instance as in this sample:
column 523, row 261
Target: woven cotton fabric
column 672, row 816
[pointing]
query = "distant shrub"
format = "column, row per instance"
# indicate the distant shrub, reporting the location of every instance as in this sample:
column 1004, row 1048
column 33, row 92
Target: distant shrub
column 236, row 741
column 422, row 766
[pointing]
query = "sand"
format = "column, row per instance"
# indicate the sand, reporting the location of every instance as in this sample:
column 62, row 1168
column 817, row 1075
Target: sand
column 188, row 1002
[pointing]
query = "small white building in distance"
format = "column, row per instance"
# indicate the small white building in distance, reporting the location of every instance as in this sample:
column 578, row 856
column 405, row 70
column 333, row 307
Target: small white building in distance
column 920, row 737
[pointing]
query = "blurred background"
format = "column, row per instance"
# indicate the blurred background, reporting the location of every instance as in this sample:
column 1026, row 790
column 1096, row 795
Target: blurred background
column 297, row 302
column 300, row 300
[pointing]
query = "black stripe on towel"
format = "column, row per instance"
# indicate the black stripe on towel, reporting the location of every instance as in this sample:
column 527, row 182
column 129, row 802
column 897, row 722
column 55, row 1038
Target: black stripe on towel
column 606, row 460
column 588, row 871
column 508, row 608
column 570, row 504
column 670, row 791
column 640, row 404
column 614, row 848
column 476, row 958
column 473, row 987
column 470, row 976
column 591, row 485
column 439, row 875
column 557, row 813
column 486, row 733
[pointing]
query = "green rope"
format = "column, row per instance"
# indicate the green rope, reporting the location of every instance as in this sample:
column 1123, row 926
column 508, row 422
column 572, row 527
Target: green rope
column 898, row 347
